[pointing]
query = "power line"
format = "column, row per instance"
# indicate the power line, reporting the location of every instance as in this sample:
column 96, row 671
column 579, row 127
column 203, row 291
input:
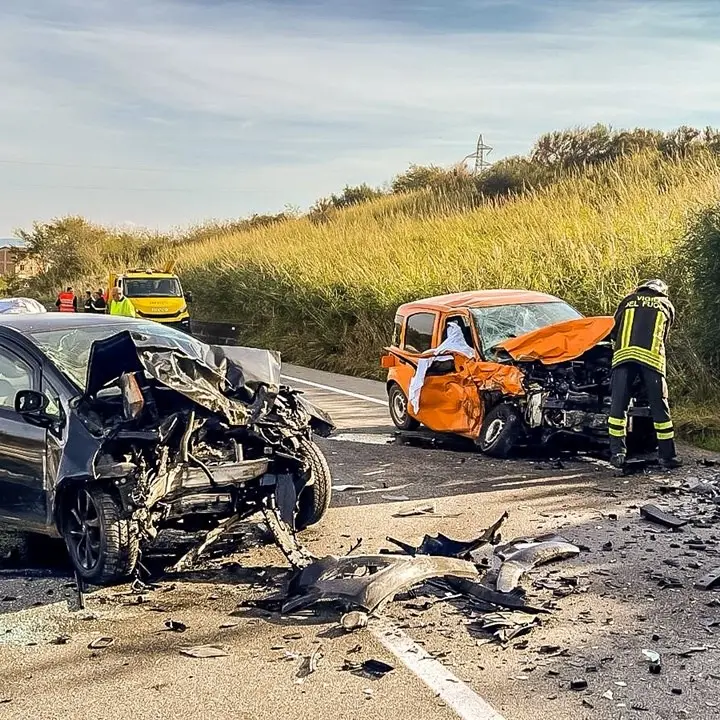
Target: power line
column 41, row 163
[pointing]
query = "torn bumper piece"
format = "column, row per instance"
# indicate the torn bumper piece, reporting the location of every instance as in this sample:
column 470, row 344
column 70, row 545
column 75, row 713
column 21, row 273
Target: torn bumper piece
column 368, row 581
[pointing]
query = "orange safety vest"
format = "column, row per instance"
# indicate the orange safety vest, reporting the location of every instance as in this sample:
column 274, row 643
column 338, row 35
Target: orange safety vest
column 66, row 301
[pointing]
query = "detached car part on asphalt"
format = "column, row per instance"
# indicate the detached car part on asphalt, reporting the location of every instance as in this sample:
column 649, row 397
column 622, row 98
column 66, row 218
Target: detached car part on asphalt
column 112, row 429
column 506, row 368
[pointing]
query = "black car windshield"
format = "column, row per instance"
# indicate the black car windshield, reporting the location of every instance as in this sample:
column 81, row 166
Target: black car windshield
column 69, row 350
column 152, row 287
column 502, row 322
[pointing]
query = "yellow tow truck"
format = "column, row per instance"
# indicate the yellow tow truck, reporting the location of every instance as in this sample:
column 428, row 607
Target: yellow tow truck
column 156, row 295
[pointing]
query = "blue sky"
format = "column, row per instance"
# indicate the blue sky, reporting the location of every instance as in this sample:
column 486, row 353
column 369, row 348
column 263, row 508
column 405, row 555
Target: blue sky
column 169, row 112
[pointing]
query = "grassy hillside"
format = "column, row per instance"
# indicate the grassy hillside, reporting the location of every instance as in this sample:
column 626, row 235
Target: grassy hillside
column 324, row 293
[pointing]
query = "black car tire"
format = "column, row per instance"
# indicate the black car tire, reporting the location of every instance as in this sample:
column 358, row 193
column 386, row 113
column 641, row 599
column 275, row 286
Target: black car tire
column 113, row 539
column 398, row 405
column 500, row 431
column 314, row 500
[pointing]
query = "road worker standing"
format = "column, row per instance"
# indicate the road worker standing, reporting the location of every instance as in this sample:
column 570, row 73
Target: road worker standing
column 642, row 322
column 66, row 301
column 120, row 305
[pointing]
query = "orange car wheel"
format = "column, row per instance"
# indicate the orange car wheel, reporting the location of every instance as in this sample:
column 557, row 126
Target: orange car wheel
column 398, row 405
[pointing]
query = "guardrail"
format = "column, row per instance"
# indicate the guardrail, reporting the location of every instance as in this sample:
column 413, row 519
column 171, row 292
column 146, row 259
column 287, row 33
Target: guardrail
column 215, row 333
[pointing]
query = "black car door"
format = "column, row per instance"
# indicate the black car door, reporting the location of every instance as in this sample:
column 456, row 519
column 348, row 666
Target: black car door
column 22, row 445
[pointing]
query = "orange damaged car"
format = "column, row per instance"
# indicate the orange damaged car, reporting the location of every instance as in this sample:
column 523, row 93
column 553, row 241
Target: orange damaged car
column 506, row 368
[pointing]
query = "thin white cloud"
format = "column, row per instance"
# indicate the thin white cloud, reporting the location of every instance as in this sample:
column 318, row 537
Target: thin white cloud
column 268, row 107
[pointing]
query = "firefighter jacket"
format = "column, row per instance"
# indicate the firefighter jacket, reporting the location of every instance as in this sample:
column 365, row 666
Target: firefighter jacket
column 642, row 322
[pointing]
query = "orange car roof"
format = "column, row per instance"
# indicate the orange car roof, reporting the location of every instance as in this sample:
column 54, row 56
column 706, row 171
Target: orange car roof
column 476, row 298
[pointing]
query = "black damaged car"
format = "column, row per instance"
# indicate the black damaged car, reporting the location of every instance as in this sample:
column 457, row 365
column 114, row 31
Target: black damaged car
column 112, row 429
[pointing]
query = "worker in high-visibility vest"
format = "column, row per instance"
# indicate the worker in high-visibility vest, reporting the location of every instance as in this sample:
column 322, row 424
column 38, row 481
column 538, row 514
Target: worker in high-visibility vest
column 642, row 322
column 120, row 305
column 66, row 301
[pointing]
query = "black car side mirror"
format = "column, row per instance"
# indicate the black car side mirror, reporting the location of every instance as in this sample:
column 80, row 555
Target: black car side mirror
column 32, row 405
column 188, row 297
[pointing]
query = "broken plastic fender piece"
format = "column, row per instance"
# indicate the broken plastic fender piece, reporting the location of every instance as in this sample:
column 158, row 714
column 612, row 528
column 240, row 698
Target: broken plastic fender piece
column 367, row 581
column 527, row 556
column 447, row 547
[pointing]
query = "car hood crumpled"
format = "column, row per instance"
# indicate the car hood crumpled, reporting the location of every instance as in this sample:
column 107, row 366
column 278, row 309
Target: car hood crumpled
column 206, row 380
column 561, row 342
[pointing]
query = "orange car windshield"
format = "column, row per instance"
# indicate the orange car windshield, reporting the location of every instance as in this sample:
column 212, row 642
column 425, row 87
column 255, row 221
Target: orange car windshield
column 502, row 322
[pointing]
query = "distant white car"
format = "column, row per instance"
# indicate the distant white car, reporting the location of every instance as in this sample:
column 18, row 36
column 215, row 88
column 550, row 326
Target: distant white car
column 21, row 305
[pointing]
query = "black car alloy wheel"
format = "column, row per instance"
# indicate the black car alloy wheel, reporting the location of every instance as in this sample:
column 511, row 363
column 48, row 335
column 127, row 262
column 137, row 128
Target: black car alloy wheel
column 84, row 531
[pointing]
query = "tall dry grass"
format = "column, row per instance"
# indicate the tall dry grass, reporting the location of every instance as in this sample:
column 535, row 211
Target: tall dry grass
column 326, row 294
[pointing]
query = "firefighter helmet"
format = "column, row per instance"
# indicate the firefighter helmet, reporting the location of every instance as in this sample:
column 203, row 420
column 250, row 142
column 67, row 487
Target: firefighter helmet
column 656, row 285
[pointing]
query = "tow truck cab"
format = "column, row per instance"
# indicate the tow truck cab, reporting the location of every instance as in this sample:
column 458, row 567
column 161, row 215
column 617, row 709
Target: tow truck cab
column 156, row 295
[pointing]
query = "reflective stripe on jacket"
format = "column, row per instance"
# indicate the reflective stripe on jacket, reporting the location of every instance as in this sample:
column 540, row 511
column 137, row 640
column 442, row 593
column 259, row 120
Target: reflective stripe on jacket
column 642, row 322
column 66, row 301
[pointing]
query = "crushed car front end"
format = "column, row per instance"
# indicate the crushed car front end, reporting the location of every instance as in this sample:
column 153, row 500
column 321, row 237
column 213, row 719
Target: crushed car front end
column 172, row 433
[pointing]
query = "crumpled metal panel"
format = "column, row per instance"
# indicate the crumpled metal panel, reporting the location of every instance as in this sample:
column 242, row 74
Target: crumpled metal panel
column 195, row 381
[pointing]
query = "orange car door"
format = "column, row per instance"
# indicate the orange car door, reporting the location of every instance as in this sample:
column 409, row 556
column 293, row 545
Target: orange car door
column 449, row 399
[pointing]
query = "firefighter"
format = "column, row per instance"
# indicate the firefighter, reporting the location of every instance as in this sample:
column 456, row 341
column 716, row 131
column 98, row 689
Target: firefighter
column 642, row 322
column 120, row 305
column 66, row 301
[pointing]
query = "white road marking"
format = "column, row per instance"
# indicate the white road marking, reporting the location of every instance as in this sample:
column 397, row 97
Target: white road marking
column 357, row 396
column 363, row 438
column 450, row 689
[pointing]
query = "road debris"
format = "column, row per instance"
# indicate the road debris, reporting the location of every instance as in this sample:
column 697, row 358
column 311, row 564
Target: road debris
column 520, row 556
column 506, row 626
column 414, row 512
column 101, row 643
column 709, row 580
column 447, row 547
column 367, row 581
column 175, row 626
column 347, row 488
column 310, row 663
column 371, row 668
column 204, row 651
column 354, row 620
column 579, row 684
column 654, row 514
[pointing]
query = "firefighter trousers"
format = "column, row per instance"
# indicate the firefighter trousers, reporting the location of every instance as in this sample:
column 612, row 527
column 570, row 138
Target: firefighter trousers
column 621, row 384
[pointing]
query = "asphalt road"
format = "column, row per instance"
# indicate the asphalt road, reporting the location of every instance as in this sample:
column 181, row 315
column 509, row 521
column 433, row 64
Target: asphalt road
column 444, row 665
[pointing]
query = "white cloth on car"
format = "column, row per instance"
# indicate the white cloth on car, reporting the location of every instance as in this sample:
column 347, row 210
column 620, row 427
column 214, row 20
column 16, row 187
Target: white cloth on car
column 455, row 342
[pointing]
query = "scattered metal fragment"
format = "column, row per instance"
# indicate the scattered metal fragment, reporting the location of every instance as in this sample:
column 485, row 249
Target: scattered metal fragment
column 60, row 640
column 395, row 498
column 354, row 620
column 578, row 684
column 367, row 581
column 639, row 707
column 654, row 514
column 101, row 643
column 692, row 651
column 175, row 626
column 709, row 580
column 310, row 663
column 203, row 651
column 370, row 668
column 447, row 547
column 608, row 695
column 509, row 600
column 521, row 556
column 506, row 626
column 676, row 691
column 424, row 510
column 652, row 656
column 346, row 488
